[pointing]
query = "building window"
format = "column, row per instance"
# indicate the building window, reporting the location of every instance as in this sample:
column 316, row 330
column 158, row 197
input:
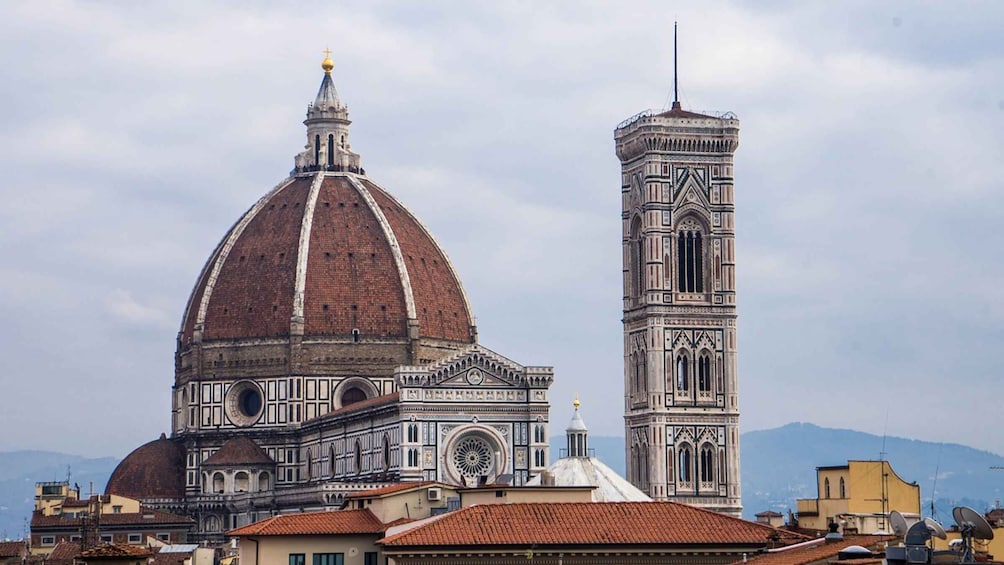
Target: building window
column 685, row 464
column 218, row 482
column 297, row 559
column 262, row 482
column 48, row 540
column 704, row 373
column 359, row 457
column 413, row 458
column 413, row 433
column 682, row 373
column 107, row 538
column 331, row 149
column 690, row 260
column 164, row 536
column 707, row 464
column 135, row 538
column 370, row 558
column 74, row 538
column 116, row 509
column 826, row 488
column 386, row 451
column 241, row 482
column 310, row 465
column 843, row 491
column 329, row 559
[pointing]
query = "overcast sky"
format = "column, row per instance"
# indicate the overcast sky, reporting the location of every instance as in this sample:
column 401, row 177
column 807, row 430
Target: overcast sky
column 868, row 186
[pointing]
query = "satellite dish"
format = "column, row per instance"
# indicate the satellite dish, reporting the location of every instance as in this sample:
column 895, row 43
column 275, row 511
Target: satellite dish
column 965, row 515
column 898, row 523
column 935, row 527
column 918, row 534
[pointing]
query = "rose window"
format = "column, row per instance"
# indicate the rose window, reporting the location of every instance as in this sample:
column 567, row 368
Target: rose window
column 473, row 457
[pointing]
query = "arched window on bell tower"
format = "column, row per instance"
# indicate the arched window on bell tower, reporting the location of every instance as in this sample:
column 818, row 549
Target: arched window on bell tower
column 704, row 373
column 331, row 150
column 682, row 373
column 317, row 150
column 637, row 251
column 690, row 257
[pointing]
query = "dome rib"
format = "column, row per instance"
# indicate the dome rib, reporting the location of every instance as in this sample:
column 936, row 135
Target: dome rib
column 303, row 249
column 221, row 257
column 409, row 294
column 426, row 291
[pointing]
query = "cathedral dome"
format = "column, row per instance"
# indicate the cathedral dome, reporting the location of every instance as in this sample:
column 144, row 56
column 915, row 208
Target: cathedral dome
column 328, row 255
column 153, row 470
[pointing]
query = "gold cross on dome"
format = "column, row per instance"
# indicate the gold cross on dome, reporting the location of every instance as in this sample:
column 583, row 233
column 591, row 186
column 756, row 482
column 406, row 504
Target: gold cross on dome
column 327, row 53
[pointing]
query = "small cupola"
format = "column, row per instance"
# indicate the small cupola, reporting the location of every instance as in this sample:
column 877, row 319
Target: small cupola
column 577, row 434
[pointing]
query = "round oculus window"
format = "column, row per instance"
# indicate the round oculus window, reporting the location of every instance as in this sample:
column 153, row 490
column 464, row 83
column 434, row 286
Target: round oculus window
column 244, row 403
column 473, row 457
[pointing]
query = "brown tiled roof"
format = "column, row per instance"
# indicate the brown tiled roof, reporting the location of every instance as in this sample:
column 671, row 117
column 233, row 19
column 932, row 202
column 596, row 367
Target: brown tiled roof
column 391, row 398
column 390, row 489
column 145, row 517
column 13, row 549
column 805, row 554
column 588, row 523
column 114, row 551
column 153, row 470
column 64, row 551
column 173, row 558
column 352, row 279
column 239, row 451
column 677, row 111
column 769, row 513
column 314, row 523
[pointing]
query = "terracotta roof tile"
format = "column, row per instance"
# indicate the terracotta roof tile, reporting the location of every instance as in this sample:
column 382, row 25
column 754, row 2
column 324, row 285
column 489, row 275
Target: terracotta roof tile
column 588, row 523
column 237, row 451
column 391, row 398
column 114, row 551
column 64, row 551
column 13, row 549
column 390, row 489
column 314, row 523
column 808, row 553
column 145, row 517
column 153, row 470
column 352, row 279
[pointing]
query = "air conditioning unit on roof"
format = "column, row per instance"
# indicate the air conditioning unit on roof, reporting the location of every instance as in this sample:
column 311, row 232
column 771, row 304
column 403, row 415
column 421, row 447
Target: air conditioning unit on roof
column 435, row 493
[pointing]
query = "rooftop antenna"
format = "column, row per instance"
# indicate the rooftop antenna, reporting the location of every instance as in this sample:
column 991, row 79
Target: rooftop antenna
column 676, row 88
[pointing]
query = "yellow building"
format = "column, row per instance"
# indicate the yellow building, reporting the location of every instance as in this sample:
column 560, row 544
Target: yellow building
column 859, row 497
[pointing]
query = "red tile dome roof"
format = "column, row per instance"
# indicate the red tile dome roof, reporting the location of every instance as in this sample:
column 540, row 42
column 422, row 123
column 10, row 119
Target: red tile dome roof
column 327, row 253
column 153, row 470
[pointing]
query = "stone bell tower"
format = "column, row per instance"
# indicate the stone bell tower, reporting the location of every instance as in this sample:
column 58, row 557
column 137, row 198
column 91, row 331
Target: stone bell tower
column 681, row 409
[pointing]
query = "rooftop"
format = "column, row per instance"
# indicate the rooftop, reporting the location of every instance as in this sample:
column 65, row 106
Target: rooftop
column 588, row 523
column 314, row 523
column 818, row 550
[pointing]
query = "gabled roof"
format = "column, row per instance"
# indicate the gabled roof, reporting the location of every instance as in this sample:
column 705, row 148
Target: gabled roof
column 145, row 517
column 239, row 451
column 392, row 489
column 64, row 551
column 588, row 524
column 114, row 551
column 13, row 549
column 821, row 550
column 314, row 523
column 375, row 401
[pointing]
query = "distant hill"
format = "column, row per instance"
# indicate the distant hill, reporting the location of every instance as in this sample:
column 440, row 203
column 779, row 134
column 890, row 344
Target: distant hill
column 779, row 466
column 20, row 470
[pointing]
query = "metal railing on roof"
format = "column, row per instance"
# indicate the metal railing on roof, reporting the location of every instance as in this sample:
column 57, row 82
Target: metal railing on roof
column 728, row 115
